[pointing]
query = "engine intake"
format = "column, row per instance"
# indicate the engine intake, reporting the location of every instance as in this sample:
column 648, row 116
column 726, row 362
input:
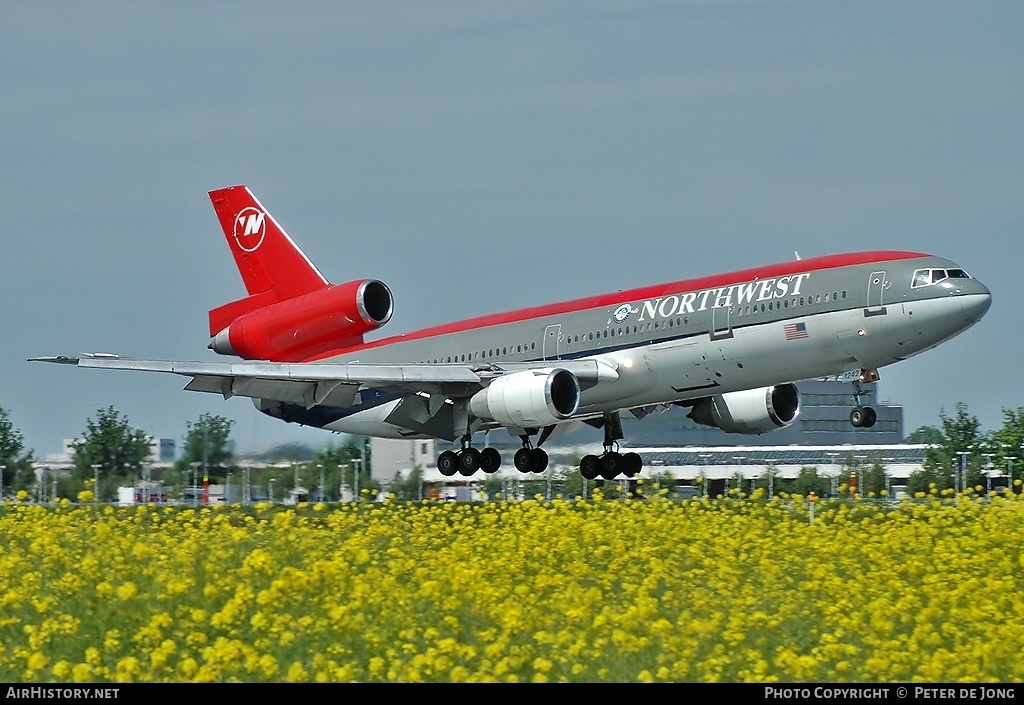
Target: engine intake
column 308, row 325
column 529, row 399
column 750, row 411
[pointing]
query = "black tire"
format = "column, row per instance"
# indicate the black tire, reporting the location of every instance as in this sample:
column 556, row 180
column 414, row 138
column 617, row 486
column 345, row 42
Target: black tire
column 632, row 463
column 448, row 463
column 611, row 465
column 469, row 461
column 869, row 417
column 590, row 467
column 540, row 460
column 523, row 460
column 857, row 417
column 490, row 460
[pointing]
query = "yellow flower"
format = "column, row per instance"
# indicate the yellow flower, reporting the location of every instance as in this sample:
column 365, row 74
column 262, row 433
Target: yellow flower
column 61, row 669
column 296, row 673
column 188, row 667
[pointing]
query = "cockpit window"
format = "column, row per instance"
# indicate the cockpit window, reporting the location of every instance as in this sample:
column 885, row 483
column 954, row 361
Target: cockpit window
column 926, row 277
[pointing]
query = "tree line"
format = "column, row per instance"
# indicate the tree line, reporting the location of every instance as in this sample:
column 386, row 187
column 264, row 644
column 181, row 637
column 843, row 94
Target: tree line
column 111, row 453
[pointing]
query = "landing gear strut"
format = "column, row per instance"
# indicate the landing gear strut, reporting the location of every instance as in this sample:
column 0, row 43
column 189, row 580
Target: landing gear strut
column 611, row 463
column 863, row 416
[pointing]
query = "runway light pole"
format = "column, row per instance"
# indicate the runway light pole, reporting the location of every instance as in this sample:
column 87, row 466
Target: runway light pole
column 834, row 476
column 739, row 475
column 960, row 483
column 355, row 479
column 988, row 471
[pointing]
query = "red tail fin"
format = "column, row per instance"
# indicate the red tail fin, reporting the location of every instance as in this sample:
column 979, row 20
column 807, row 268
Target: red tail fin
column 271, row 265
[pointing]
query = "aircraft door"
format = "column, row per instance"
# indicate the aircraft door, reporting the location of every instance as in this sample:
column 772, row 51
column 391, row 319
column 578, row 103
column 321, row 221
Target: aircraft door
column 552, row 338
column 721, row 323
column 877, row 285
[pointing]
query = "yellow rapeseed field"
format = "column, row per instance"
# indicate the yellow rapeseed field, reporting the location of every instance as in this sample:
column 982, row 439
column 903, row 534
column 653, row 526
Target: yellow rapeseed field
column 738, row 590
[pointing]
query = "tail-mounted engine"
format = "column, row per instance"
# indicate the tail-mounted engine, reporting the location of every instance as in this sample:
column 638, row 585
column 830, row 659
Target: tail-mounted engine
column 750, row 411
column 305, row 326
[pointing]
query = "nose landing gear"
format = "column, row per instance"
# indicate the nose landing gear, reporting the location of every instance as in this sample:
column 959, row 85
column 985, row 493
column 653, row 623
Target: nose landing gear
column 863, row 416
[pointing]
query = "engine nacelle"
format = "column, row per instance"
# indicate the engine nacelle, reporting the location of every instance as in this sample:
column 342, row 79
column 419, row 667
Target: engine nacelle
column 304, row 326
column 750, row 411
column 529, row 399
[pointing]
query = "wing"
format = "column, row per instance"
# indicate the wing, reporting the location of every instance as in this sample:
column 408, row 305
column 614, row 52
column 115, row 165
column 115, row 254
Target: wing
column 327, row 384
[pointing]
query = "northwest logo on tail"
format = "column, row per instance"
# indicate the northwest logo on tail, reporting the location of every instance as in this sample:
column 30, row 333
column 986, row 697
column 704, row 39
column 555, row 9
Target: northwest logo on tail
column 250, row 228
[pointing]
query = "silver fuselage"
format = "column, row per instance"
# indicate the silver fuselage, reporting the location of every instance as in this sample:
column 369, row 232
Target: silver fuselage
column 692, row 339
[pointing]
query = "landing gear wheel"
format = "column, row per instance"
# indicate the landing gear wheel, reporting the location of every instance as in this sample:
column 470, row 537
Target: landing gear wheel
column 523, row 460
column 469, row 461
column 632, row 463
column 590, row 467
column 490, row 460
column 539, row 460
column 611, row 465
column 857, row 417
column 863, row 417
column 448, row 463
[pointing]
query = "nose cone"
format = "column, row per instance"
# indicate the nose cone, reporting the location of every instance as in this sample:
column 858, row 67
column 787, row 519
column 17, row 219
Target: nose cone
column 976, row 302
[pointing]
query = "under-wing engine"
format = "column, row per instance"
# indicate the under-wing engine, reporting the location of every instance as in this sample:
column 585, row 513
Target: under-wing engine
column 528, row 399
column 749, row 411
column 298, row 328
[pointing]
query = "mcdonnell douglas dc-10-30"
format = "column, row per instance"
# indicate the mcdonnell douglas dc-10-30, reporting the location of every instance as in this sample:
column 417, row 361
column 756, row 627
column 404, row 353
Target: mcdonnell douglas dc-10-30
column 730, row 347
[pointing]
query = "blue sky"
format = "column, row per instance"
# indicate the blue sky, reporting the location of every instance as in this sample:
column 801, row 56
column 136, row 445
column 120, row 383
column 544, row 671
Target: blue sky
column 481, row 156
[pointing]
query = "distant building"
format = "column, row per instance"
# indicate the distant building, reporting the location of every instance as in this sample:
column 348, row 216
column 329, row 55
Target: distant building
column 162, row 450
column 393, row 456
column 66, row 454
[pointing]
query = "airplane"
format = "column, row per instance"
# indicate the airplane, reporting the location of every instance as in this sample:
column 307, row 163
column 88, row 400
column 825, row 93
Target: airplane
column 729, row 347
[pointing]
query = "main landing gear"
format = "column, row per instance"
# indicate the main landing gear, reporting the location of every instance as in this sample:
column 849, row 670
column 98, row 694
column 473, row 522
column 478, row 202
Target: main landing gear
column 611, row 463
column 863, row 416
column 468, row 460
column 531, row 459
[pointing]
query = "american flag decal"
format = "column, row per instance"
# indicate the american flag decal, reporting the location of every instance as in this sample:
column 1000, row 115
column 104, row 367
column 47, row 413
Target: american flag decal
column 795, row 330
